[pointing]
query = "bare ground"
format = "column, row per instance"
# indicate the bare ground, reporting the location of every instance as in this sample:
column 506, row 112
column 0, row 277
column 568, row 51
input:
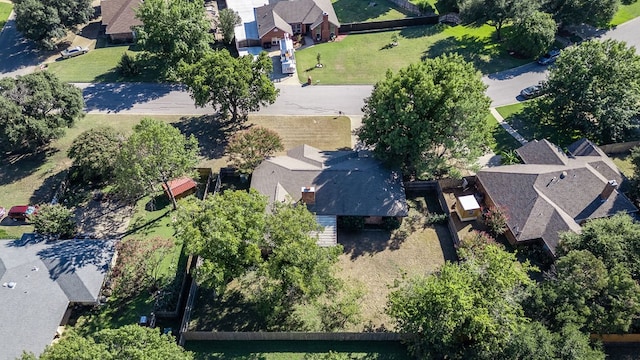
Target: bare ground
column 104, row 219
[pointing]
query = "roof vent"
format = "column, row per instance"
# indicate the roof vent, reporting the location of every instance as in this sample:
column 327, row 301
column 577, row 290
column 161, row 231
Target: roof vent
column 563, row 175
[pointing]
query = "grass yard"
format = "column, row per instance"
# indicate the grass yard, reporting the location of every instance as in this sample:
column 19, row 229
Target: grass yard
column 349, row 11
column 626, row 13
column 98, row 65
column 5, row 11
column 623, row 162
column 501, row 140
column 295, row 350
column 364, row 58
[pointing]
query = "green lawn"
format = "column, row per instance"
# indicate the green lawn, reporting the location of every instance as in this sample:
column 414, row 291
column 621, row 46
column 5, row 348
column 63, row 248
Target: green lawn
column 501, row 140
column 97, row 65
column 349, row 11
column 364, row 58
column 5, row 11
column 295, row 350
column 626, row 13
column 510, row 110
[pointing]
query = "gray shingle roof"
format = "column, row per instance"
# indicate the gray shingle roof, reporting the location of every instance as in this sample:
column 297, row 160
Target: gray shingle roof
column 281, row 14
column 119, row 15
column 542, row 200
column 345, row 184
column 541, row 152
column 48, row 277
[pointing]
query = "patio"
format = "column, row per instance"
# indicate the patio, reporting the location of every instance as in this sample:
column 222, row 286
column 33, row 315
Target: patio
column 464, row 228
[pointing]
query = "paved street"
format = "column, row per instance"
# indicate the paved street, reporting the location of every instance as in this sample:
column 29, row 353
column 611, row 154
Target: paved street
column 17, row 55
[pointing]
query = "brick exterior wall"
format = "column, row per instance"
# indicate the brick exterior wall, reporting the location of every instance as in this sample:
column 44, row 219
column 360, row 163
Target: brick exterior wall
column 274, row 33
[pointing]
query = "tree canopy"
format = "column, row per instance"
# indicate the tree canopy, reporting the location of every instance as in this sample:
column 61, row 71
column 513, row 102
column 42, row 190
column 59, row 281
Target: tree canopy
column 595, row 89
column 94, row 153
column 532, row 35
column 154, row 154
column 174, row 30
column 243, row 86
column 54, row 221
column 495, row 12
column 47, row 21
column 247, row 149
column 427, row 116
column 127, row 342
column 575, row 12
column 35, row 109
column 227, row 20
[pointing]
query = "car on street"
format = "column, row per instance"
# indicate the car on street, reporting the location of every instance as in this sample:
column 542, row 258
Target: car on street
column 73, row 51
column 22, row 212
column 549, row 58
column 532, row 91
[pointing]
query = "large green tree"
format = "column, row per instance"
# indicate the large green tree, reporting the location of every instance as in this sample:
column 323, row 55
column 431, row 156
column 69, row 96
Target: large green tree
column 467, row 310
column 575, row 12
column 226, row 231
column 232, row 85
column 174, row 31
column 227, row 20
column 247, row 149
column 47, row 21
column 427, row 115
column 154, row 154
column 54, row 221
column 94, row 153
column 496, row 12
column 35, row 109
column 127, row 342
column 532, row 35
column 595, row 89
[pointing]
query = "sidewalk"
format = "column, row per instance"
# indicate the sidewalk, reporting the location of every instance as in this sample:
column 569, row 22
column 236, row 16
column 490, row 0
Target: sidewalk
column 511, row 131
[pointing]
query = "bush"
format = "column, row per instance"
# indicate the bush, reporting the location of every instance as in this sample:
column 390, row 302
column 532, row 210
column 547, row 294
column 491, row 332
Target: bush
column 496, row 219
column 128, row 65
column 436, row 218
column 532, row 35
column 54, row 221
column 351, row 223
column 390, row 223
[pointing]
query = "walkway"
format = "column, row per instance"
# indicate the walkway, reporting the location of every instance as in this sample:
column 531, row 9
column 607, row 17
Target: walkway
column 511, row 131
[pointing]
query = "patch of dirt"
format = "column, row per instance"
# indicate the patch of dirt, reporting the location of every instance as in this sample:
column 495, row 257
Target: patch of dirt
column 104, row 219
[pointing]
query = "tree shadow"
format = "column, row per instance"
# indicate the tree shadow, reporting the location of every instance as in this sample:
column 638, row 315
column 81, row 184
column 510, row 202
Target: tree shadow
column 479, row 51
column 16, row 52
column 116, row 97
column 534, row 122
column 14, row 167
column 414, row 32
column 363, row 10
column 44, row 193
column 211, row 131
column 232, row 311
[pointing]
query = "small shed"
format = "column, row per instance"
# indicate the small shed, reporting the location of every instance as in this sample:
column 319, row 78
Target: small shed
column 181, row 187
column 468, row 208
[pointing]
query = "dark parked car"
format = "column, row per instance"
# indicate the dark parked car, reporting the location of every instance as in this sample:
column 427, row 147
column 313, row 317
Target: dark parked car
column 549, row 58
column 22, row 212
column 74, row 51
column 532, row 91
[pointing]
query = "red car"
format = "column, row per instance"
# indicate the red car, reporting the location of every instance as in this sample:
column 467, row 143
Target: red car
column 22, row 212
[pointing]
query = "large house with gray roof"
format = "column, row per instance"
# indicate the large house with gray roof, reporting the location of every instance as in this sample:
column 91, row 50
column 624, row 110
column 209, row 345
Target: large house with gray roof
column 553, row 192
column 41, row 281
column 332, row 184
column 119, row 19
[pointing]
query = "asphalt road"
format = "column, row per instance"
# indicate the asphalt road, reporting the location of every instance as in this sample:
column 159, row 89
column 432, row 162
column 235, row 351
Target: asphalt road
column 17, row 55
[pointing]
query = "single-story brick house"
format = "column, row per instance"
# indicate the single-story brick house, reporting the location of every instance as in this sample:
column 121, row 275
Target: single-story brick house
column 315, row 18
column 119, row 19
column 554, row 192
column 332, row 184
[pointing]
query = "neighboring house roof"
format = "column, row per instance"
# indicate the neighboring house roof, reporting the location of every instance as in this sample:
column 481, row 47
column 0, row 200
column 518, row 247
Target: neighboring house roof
column 119, row 15
column 345, row 183
column 280, row 14
column 554, row 193
column 48, row 277
column 180, row 185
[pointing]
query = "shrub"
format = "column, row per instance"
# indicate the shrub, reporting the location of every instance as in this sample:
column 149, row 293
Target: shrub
column 390, row 223
column 474, row 242
column 351, row 223
column 532, row 35
column 436, row 218
column 54, row 221
column 128, row 65
column 496, row 219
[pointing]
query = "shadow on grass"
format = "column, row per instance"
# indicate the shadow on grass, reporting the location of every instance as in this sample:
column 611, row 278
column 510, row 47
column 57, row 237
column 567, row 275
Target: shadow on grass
column 349, row 11
column 142, row 226
column 44, row 193
column 414, row 32
column 531, row 124
column 88, row 320
column 480, row 51
column 211, row 131
column 502, row 140
column 230, row 312
column 14, row 167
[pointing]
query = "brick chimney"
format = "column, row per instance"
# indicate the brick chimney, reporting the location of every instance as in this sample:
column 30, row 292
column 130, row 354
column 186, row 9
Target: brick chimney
column 608, row 189
column 324, row 28
column 309, row 195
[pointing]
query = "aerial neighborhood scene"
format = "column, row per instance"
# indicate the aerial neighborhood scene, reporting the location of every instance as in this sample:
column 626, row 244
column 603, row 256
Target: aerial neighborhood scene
column 319, row 179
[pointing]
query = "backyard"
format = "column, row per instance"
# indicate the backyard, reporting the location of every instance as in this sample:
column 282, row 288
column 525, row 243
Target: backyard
column 375, row 260
column 349, row 11
column 5, row 10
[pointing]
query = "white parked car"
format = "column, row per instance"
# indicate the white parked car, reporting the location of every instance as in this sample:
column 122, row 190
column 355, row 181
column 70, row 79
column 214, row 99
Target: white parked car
column 74, row 51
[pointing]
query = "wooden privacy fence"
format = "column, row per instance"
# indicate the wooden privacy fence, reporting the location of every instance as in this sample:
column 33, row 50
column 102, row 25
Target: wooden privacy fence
column 289, row 336
column 435, row 186
column 619, row 147
column 408, row 6
column 617, row 338
column 388, row 24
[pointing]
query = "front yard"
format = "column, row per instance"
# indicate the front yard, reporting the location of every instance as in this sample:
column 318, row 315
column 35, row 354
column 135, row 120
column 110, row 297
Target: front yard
column 364, row 58
column 5, row 11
